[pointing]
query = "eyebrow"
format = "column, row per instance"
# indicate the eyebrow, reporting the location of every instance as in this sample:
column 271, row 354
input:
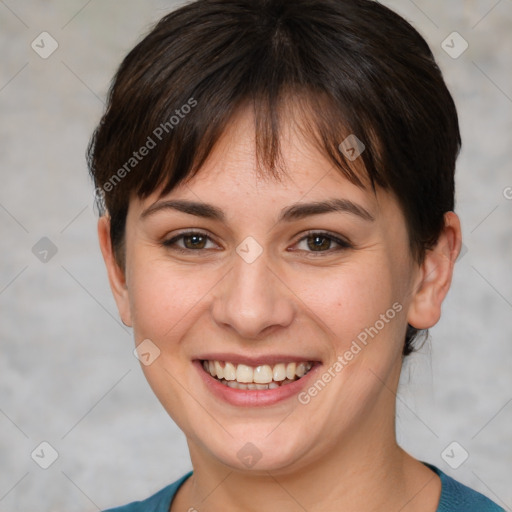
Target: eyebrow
column 294, row 212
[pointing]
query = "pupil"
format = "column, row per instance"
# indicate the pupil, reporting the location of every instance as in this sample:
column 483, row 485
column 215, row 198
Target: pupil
column 317, row 245
column 194, row 239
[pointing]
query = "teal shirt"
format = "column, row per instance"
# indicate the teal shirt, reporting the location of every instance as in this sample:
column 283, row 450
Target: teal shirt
column 455, row 497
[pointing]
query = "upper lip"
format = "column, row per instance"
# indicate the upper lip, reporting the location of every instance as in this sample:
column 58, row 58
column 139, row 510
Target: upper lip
column 270, row 359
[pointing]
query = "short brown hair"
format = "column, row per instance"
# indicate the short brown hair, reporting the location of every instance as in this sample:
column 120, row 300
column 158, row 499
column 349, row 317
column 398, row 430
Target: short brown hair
column 360, row 67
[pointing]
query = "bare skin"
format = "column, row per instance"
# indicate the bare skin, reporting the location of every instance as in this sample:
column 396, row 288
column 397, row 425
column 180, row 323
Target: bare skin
column 338, row 451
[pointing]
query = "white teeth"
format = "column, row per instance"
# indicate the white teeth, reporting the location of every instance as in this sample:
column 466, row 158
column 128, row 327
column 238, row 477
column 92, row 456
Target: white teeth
column 229, row 372
column 244, row 373
column 300, row 370
column 219, row 370
column 252, row 386
column 264, row 376
column 290, row 370
column 279, row 372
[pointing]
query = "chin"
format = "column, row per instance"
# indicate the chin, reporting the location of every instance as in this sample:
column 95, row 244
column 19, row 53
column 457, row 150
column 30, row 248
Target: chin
column 258, row 449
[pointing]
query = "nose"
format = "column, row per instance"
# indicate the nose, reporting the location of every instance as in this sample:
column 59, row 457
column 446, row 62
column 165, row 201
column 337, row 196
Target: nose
column 253, row 300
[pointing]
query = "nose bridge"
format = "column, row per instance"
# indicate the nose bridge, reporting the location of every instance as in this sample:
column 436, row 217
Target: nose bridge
column 252, row 298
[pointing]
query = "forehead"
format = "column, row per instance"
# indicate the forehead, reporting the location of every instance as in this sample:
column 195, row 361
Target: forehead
column 233, row 182
column 302, row 169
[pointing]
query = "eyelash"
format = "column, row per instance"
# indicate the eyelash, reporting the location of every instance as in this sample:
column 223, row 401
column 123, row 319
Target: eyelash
column 171, row 243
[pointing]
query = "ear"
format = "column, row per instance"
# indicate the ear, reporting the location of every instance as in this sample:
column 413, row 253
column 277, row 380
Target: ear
column 435, row 275
column 116, row 275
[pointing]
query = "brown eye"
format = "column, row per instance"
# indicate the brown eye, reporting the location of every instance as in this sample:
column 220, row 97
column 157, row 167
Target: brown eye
column 192, row 241
column 320, row 242
column 316, row 242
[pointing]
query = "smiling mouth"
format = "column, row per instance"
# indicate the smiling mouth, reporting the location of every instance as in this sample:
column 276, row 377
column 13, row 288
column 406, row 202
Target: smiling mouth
column 241, row 376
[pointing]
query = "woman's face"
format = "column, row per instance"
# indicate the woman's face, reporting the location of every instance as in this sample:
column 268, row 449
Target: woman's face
column 264, row 286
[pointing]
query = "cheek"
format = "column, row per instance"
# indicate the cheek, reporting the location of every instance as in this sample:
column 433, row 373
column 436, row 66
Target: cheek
column 349, row 298
column 163, row 297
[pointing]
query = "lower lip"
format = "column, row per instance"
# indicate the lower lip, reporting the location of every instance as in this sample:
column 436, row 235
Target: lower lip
column 254, row 397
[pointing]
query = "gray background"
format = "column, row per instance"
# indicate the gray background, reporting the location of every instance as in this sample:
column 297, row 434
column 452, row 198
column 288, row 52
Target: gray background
column 67, row 372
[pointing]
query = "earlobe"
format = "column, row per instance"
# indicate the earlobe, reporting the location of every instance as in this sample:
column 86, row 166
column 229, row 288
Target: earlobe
column 435, row 275
column 116, row 275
